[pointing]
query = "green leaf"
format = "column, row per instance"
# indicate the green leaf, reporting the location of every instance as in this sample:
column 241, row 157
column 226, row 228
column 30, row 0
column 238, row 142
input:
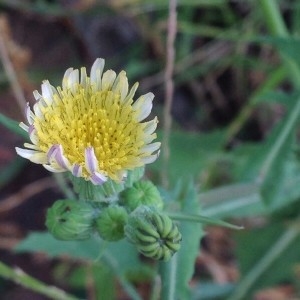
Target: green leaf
column 288, row 189
column 288, row 46
column 278, row 249
column 265, row 164
column 278, row 97
column 234, row 200
column 277, row 150
column 244, row 199
column 177, row 273
column 123, row 253
column 118, row 256
column 191, row 236
column 190, row 153
column 46, row 243
column 102, row 276
column 272, row 176
column 201, row 219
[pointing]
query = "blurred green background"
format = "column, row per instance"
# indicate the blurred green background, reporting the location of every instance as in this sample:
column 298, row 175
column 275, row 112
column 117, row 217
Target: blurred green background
column 234, row 137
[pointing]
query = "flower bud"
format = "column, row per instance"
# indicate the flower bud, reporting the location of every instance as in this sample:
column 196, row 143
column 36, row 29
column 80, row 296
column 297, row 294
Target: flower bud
column 154, row 233
column 141, row 193
column 70, row 220
column 110, row 223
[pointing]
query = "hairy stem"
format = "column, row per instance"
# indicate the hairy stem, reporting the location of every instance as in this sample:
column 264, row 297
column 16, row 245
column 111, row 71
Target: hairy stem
column 19, row 277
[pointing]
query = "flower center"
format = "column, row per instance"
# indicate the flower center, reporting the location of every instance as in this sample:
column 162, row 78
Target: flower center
column 97, row 119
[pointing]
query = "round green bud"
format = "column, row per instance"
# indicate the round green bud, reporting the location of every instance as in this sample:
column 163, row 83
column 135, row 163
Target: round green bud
column 141, row 193
column 110, row 223
column 70, row 220
column 154, row 233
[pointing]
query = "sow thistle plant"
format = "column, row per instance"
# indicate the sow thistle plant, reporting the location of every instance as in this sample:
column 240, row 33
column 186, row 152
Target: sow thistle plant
column 92, row 128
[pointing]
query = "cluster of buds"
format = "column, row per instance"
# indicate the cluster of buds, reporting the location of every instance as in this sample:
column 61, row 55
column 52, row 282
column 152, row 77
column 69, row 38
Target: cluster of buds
column 137, row 216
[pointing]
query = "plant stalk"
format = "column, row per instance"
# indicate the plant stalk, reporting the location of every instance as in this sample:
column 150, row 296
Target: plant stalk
column 19, row 277
column 277, row 27
column 168, row 278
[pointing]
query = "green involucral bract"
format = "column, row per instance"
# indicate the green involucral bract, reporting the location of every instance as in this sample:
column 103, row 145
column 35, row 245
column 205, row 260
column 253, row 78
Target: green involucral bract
column 110, row 223
column 154, row 233
column 70, row 220
column 108, row 191
column 141, row 193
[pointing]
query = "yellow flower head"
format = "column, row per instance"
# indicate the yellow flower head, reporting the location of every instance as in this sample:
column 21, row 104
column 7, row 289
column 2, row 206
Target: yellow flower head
column 91, row 126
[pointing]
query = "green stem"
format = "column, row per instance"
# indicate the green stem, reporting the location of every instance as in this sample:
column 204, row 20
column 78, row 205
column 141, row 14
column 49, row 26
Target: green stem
column 168, row 278
column 62, row 183
column 19, row 277
column 275, row 252
column 276, row 26
column 273, row 17
column 201, row 219
column 156, row 287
